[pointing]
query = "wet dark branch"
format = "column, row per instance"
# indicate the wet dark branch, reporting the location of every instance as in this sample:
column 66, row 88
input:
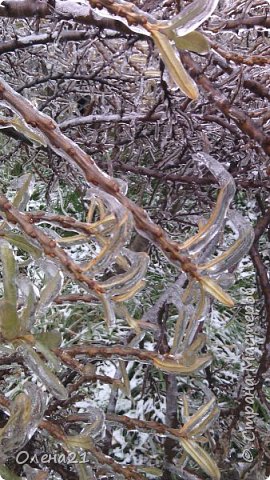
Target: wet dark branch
column 187, row 179
column 249, row 22
column 264, row 283
column 262, row 224
column 265, row 288
column 42, row 39
column 64, row 10
column 24, row 8
column 242, row 120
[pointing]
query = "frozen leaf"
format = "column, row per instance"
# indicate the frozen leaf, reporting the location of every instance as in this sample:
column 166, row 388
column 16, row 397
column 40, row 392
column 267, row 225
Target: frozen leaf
column 201, row 420
column 7, row 474
column 9, row 273
column 209, row 230
column 85, row 471
column 180, row 329
column 125, row 378
column 121, row 283
column 191, row 16
column 42, row 371
column 103, row 12
column 26, row 412
column 210, row 286
column 77, row 441
column 21, row 126
column 51, row 339
column 46, row 352
column 129, row 293
column 53, row 284
column 108, row 310
column 22, row 243
column 96, row 423
column 9, row 320
column 25, row 183
column 27, row 314
column 237, row 251
column 154, row 471
column 201, row 457
column 124, row 313
column 184, row 365
column 194, row 41
column 174, row 66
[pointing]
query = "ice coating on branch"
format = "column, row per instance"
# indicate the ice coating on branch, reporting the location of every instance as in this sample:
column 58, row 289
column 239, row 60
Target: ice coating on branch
column 26, row 412
column 103, row 13
column 33, row 361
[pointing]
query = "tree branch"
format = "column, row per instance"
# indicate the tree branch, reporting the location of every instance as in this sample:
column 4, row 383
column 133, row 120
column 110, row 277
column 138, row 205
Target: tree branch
column 242, row 120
